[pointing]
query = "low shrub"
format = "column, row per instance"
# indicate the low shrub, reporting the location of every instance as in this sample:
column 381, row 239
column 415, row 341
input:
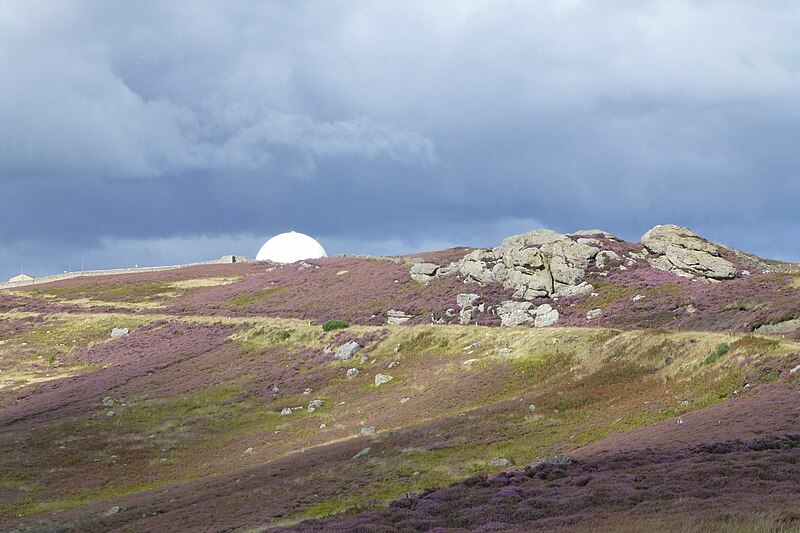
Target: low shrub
column 334, row 324
column 718, row 352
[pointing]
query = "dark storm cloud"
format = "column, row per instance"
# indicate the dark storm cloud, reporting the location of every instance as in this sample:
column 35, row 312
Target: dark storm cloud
column 147, row 132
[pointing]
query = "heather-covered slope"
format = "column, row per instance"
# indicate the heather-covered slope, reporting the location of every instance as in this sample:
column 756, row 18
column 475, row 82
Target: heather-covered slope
column 225, row 407
column 197, row 407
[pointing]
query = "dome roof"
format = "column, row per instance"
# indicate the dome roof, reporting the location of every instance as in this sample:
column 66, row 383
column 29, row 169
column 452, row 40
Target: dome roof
column 290, row 247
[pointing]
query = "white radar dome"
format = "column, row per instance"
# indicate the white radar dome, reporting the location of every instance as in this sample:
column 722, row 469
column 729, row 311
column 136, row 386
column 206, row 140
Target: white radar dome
column 290, row 247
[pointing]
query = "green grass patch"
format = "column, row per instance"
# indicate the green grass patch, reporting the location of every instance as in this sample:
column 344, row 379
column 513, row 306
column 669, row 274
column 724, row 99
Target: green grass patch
column 721, row 349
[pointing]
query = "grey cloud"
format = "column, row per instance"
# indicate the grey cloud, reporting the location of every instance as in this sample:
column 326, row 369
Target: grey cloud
column 393, row 123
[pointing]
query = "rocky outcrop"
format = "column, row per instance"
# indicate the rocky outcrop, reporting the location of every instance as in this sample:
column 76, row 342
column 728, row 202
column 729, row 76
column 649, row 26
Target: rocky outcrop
column 781, row 328
column 539, row 263
column 681, row 251
column 467, row 307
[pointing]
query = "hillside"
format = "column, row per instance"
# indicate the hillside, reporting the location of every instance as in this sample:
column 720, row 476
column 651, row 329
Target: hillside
column 554, row 382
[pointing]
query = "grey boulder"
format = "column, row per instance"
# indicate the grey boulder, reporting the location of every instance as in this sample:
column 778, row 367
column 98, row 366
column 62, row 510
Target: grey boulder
column 347, row 351
column 681, row 251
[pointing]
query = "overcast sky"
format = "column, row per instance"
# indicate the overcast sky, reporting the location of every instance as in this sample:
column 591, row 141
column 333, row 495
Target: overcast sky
column 164, row 132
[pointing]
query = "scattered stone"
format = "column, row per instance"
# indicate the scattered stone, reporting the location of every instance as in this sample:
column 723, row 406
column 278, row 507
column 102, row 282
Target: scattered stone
column 3, row 343
column 322, row 426
column 248, row 450
column 532, row 408
column 638, row 297
column 594, row 313
column 119, row 332
column 424, row 272
column 505, row 351
column 362, row 453
column 347, row 351
column 362, row 359
column 351, row 373
column 558, row 459
column 469, row 362
column 275, row 388
column 286, row 411
column 498, row 462
column 367, row 431
column 545, row 315
column 108, row 401
column 746, row 273
column 314, row 405
column 112, row 511
column 395, row 317
column 404, row 400
column 794, row 370
column 393, row 364
column 307, row 392
column 517, row 313
column 681, row 251
column 111, row 413
column 415, row 473
column 513, row 313
column 380, row 379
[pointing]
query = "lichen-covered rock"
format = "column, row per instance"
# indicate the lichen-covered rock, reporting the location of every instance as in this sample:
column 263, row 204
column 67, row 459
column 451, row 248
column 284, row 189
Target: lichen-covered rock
column 119, row 332
column 381, row 379
column 347, row 351
column 779, row 329
column 681, row 251
column 395, row 317
column 593, row 313
column 513, row 313
column 575, row 290
column 424, row 272
column 604, row 258
column 545, row 315
column 539, row 263
column 595, row 232
column 467, row 307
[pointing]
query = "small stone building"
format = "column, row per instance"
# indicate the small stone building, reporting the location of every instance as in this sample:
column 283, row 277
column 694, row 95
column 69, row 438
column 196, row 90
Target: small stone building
column 21, row 277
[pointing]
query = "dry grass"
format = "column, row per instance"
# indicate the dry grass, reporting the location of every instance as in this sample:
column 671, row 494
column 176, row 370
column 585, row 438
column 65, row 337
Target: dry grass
column 200, row 283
